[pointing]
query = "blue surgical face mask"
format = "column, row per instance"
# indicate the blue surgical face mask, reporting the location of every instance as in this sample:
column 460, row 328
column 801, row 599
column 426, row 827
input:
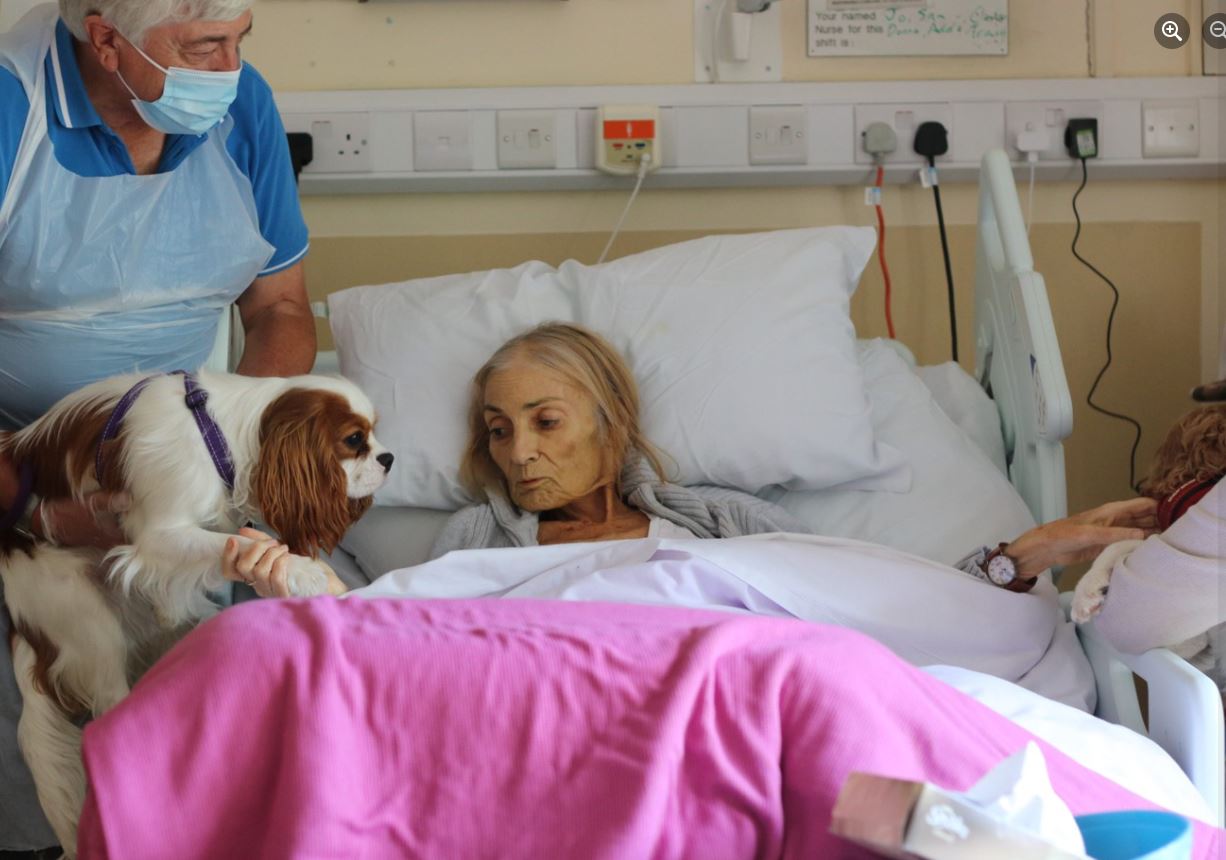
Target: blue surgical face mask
column 192, row 101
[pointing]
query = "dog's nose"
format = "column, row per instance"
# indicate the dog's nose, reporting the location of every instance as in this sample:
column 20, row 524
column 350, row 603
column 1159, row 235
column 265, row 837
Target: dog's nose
column 385, row 460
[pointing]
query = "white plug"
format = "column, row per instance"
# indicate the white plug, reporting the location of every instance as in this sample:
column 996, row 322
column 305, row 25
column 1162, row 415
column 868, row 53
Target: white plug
column 1031, row 141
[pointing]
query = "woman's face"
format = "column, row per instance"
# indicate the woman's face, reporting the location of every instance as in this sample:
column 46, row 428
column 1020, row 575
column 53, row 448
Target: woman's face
column 543, row 435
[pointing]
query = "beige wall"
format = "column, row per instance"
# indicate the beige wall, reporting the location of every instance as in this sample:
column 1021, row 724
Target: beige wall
column 1160, row 241
column 343, row 44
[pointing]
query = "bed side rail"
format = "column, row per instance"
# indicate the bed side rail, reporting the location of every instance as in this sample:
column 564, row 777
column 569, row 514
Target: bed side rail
column 1185, row 709
column 1017, row 356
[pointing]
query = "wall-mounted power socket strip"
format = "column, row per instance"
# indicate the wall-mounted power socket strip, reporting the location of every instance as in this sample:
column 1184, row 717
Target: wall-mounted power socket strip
column 624, row 135
column 341, row 141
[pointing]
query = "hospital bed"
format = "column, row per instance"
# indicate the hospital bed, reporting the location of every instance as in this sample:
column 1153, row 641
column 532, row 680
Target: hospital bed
column 1018, row 364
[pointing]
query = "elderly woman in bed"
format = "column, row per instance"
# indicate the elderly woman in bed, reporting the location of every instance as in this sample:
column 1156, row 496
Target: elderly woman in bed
column 555, row 448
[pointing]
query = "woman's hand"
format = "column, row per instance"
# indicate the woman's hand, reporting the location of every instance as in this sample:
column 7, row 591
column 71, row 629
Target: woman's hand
column 263, row 564
column 93, row 521
column 1083, row 536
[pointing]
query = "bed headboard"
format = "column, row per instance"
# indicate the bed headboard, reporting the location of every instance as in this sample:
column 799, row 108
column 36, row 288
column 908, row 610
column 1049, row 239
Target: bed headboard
column 1017, row 357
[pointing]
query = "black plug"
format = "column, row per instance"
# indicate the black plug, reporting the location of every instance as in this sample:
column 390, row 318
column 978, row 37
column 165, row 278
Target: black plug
column 1081, row 138
column 931, row 140
column 301, row 150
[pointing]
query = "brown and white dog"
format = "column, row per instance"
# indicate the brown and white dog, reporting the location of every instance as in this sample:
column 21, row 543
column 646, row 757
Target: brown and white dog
column 305, row 462
column 1190, row 461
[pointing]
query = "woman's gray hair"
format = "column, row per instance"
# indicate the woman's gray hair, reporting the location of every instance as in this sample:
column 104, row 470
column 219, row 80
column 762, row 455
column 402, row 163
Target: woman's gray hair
column 134, row 18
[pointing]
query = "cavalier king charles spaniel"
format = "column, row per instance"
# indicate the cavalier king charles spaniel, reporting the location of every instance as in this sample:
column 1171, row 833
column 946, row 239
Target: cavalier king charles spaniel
column 298, row 454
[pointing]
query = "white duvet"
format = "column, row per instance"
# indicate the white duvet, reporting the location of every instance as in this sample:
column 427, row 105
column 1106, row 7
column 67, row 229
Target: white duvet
column 929, row 614
column 926, row 612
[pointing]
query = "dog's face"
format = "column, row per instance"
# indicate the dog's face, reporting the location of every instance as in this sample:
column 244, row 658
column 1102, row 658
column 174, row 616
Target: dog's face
column 1194, row 450
column 319, row 464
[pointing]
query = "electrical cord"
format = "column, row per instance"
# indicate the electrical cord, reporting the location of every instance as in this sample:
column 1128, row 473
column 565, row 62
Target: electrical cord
column 644, row 166
column 885, row 269
column 1115, row 301
column 931, row 140
column 949, row 271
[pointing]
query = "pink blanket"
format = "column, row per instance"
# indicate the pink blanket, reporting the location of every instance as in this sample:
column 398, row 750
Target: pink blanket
column 514, row 728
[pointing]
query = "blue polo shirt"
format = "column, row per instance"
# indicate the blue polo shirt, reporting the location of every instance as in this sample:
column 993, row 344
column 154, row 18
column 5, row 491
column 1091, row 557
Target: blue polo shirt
column 86, row 146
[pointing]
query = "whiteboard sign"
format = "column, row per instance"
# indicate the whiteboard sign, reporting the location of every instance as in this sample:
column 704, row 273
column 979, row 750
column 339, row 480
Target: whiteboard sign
column 855, row 28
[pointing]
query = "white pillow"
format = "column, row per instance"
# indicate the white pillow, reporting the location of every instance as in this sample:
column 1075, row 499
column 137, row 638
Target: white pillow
column 958, row 500
column 968, row 406
column 742, row 347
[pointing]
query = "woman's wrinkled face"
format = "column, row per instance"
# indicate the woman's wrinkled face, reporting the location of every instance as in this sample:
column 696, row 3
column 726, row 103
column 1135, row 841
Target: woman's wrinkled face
column 543, row 436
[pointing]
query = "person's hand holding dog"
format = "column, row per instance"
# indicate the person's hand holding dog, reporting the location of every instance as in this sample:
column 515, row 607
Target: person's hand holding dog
column 262, row 565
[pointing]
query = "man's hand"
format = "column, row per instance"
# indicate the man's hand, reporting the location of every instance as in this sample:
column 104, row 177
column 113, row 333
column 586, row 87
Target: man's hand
column 1083, row 536
column 93, row 522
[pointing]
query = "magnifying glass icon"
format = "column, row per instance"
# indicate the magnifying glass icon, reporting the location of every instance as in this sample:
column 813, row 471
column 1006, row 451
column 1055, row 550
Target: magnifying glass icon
column 1217, row 29
column 1171, row 30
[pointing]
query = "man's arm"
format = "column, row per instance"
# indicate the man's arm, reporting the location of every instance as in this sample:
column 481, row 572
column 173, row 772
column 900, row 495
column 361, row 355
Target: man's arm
column 279, row 325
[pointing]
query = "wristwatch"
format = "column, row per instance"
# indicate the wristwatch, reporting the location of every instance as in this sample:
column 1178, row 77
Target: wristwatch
column 1001, row 569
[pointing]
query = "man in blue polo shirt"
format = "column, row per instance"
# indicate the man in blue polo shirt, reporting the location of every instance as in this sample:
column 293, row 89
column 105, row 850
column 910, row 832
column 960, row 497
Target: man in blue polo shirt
column 145, row 186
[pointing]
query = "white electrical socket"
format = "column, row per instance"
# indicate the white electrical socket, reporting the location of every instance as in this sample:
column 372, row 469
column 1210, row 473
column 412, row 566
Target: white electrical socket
column 1046, row 119
column 340, row 142
column 779, row 135
column 527, row 138
column 904, row 119
column 442, row 140
column 1170, row 129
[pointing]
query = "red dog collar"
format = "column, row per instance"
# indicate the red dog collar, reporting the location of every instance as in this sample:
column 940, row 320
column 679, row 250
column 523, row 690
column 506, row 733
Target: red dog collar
column 1177, row 503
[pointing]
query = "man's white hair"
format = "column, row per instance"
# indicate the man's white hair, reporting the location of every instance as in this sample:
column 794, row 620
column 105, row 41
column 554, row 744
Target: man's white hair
column 134, row 18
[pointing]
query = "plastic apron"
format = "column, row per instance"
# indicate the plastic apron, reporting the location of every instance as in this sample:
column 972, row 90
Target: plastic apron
column 114, row 274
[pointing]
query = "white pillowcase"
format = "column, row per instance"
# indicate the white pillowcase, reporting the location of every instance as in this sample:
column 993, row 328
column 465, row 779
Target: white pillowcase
column 959, row 500
column 742, row 346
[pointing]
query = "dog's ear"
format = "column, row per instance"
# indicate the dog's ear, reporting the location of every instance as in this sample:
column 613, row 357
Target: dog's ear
column 298, row 483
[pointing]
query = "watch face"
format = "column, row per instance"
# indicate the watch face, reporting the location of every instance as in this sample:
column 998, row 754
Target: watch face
column 1001, row 570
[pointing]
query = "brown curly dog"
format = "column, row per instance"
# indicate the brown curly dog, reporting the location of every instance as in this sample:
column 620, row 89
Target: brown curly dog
column 1194, row 450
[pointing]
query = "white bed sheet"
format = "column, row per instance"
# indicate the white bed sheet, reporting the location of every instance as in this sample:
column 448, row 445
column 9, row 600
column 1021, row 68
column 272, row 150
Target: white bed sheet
column 1121, row 755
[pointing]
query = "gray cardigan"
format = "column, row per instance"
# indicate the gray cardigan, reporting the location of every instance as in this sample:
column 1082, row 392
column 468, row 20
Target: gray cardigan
column 707, row 512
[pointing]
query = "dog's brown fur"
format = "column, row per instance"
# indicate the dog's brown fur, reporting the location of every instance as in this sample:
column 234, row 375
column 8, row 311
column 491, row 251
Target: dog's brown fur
column 1194, row 450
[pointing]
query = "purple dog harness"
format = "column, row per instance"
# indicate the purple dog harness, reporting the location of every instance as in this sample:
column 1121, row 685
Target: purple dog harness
column 195, row 398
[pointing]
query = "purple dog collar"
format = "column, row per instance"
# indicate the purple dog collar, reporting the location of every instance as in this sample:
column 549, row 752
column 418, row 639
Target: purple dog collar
column 195, row 399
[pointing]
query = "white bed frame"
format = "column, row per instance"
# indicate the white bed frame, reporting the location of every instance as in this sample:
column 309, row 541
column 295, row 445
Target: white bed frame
column 1017, row 360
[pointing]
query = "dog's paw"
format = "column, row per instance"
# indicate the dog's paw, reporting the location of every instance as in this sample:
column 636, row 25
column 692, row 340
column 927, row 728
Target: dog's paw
column 1089, row 597
column 1091, row 591
column 306, row 578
